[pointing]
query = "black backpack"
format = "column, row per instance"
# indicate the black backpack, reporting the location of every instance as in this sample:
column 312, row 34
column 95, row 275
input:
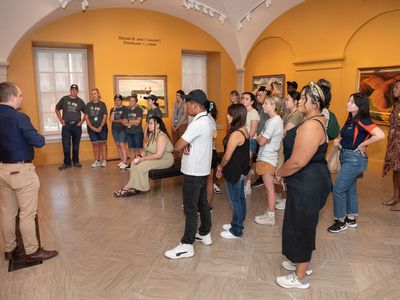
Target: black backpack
column 333, row 128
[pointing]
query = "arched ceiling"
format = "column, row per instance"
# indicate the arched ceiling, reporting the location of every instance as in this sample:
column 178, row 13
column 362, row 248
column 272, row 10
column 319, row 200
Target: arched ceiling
column 18, row 18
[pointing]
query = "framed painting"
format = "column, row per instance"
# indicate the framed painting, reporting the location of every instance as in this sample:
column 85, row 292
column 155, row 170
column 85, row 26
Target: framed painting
column 377, row 84
column 274, row 83
column 142, row 86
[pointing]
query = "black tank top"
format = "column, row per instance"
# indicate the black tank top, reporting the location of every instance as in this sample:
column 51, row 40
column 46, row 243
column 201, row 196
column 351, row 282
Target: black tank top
column 288, row 145
column 239, row 164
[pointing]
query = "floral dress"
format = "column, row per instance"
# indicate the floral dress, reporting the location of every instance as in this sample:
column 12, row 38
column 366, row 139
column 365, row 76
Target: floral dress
column 392, row 157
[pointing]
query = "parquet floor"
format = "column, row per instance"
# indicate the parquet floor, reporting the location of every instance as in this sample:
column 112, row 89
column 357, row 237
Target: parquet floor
column 113, row 248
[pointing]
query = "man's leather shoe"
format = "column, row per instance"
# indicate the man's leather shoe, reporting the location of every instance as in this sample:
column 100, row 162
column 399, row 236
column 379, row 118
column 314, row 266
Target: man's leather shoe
column 40, row 254
column 77, row 165
column 11, row 255
column 64, row 166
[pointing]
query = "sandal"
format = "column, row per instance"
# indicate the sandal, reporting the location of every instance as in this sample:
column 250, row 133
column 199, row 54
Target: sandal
column 122, row 193
column 389, row 202
column 125, row 193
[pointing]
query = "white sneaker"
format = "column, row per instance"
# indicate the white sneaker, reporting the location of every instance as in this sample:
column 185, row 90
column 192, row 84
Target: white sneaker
column 247, row 188
column 280, row 205
column 226, row 226
column 292, row 281
column 180, row 251
column 104, row 163
column 205, row 239
column 228, row 235
column 96, row 164
column 266, row 220
column 120, row 163
column 264, row 215
column 123, row 166
column 288, row 265
column 217, row 189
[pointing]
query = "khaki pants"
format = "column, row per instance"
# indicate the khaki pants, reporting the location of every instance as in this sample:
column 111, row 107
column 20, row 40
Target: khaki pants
column 19, row 187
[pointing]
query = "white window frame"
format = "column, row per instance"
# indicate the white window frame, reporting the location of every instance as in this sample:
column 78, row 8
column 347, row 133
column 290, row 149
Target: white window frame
column 56, row 136
column 190, row 58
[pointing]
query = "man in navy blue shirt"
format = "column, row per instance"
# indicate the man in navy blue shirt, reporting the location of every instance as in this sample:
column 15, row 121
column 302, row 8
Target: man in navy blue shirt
column 19, row 184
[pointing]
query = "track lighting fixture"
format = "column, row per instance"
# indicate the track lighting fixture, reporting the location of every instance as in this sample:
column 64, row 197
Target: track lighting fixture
column 247, row 16
column 207, row 10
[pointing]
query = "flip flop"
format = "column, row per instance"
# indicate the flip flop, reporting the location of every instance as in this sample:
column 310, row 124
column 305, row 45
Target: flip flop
column 396, row 209
column 389, row 202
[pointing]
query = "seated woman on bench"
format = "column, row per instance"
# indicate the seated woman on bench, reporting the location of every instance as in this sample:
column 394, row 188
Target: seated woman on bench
column 157, row 155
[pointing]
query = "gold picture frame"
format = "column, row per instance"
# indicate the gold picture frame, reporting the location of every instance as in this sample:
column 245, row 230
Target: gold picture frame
column 143, row 85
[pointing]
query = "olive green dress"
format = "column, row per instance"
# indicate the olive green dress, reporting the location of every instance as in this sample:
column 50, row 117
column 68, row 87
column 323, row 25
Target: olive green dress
column 139, row 177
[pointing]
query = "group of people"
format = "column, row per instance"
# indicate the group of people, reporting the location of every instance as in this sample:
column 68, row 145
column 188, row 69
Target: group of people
column 126, row 126
column 290, row 139
column 297, row 129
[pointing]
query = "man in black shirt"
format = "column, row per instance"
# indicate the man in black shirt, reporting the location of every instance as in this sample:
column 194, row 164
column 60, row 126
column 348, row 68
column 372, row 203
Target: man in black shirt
column 19, row 184
column 72, row 106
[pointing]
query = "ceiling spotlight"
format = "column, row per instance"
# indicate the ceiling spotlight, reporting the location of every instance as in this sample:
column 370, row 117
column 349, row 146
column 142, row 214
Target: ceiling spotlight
column 64, row 3
column 239, row 26
column 204, row 8
column 248, row 17
column 268, row 3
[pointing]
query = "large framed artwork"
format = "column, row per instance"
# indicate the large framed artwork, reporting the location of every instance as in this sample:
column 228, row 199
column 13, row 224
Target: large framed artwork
column 142, row 86
column 377, row 84
column 273, row 83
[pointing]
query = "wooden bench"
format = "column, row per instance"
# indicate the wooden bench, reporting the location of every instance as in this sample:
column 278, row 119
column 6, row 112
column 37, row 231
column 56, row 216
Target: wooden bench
column 161, row 174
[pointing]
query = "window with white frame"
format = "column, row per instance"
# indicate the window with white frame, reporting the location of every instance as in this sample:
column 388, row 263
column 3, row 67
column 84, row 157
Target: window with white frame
column 56, row 70
column 194, row 72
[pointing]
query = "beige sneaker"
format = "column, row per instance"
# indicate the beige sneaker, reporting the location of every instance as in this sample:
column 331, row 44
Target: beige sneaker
column 266, row 220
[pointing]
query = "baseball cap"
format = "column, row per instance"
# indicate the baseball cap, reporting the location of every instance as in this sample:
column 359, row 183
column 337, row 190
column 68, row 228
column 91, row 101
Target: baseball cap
column 74, row 86
column 198, row 96
column 292, row 84
column 118, row 96
column 151, row 97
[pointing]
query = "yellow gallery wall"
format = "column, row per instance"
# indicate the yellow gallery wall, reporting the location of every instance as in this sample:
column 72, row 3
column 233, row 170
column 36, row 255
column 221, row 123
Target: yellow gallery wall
column 330, row 39
column 101, row 29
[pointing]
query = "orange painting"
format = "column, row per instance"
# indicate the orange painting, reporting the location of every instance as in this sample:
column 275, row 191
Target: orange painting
column 378, row 84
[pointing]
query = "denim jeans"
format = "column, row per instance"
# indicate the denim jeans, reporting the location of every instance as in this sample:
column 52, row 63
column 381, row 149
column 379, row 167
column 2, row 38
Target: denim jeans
column 237, row 199
column 345, row 199
column 71, row 131
column 194, row 201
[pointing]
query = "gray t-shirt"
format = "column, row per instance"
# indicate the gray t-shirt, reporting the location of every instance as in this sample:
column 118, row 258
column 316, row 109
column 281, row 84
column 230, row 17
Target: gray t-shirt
column 131, row 114
column 95, row 112
column 71, row 108
column 118, row 113
column 154, row 112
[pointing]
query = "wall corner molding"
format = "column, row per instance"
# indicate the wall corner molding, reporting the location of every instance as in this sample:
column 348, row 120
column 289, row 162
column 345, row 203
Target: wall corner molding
column 319, row 64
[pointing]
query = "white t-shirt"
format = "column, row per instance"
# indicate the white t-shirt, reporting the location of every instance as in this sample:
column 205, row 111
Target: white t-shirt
column 252, row 116
column 273, row 130
column 199, row 135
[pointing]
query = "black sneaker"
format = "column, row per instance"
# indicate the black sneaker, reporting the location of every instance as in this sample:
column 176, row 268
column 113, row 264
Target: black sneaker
column 64, row 166
column 338, row 226
column 259, row 182
column 77, row 165
column 351, row 223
